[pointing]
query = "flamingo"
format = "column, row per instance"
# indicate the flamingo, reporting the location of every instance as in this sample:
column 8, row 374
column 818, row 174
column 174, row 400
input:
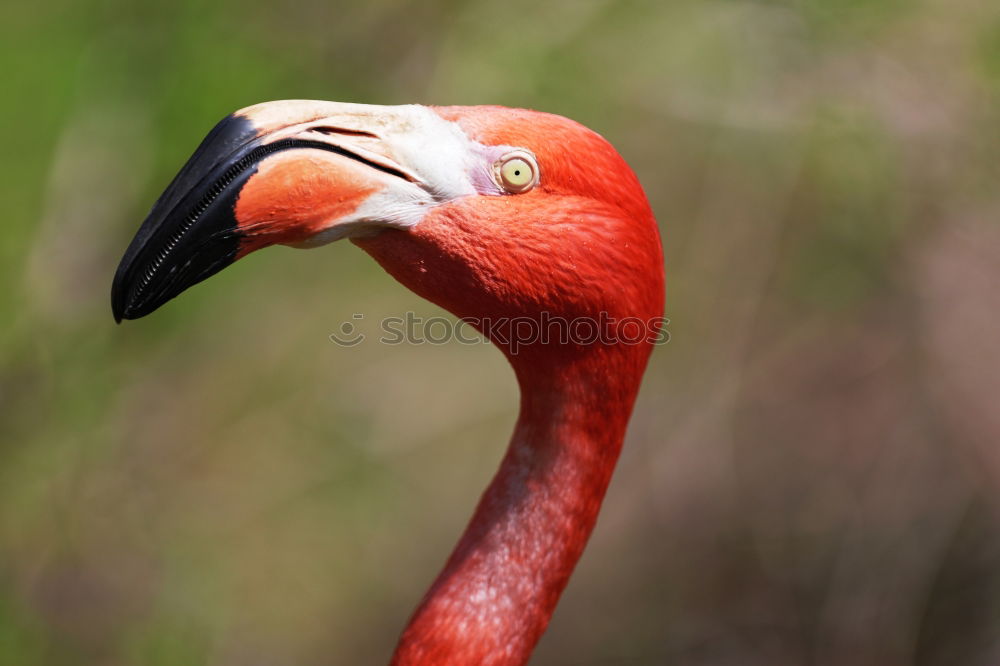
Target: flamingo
column 527, row 225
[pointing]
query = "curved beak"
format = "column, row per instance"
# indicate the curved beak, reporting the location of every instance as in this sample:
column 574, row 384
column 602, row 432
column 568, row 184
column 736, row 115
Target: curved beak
column 289, row 172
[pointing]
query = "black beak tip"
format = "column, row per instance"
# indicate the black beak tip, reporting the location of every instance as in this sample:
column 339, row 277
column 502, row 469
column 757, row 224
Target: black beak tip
column 117, row 302
column 191, row 232
column 121, row 308
column 118, row 312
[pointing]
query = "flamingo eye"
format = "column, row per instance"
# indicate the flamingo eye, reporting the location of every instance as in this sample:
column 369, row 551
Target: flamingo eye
column 517, row 172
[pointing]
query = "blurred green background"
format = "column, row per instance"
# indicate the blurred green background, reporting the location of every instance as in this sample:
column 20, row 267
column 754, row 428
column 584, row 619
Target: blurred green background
column 812, row 474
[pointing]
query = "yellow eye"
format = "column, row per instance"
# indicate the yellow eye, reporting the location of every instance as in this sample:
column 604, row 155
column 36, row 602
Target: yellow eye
column 517, row 173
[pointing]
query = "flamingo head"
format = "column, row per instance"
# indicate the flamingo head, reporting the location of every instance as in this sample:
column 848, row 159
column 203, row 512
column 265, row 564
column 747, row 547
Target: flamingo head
column 492, row 213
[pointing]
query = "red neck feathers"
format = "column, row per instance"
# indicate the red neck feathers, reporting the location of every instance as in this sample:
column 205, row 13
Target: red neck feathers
column 567, row 280
column 498, row 590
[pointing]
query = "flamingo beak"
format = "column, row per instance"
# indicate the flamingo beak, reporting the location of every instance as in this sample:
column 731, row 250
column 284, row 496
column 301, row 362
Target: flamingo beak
column 297, row 173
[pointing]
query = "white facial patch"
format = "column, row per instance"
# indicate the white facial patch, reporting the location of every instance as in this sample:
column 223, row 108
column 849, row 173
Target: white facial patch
column 439, row 161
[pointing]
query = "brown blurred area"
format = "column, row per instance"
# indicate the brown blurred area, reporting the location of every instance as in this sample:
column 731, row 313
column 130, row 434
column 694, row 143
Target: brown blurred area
column 812, row 474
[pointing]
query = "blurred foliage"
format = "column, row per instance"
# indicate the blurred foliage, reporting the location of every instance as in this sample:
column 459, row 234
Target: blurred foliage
column 812, row 473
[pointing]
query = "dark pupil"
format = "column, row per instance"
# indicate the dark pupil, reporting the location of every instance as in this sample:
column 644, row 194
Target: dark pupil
column 517, row 173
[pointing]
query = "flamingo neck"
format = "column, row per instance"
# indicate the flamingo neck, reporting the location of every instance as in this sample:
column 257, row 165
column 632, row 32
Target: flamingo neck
column 494, row 598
